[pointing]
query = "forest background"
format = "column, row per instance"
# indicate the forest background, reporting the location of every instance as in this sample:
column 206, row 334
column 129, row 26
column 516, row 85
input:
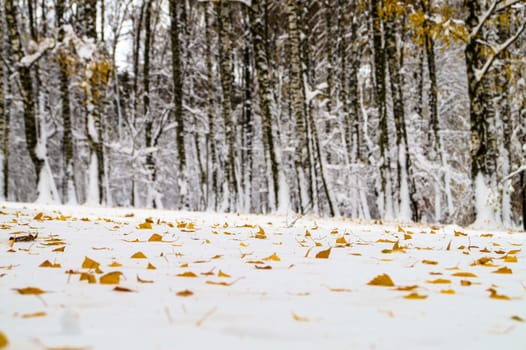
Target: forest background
column 370, row 109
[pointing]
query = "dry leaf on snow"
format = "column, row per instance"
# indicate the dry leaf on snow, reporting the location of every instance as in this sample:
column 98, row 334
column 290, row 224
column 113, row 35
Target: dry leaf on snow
column 111, row 278
column 383, row 280
column 3, row 340
column 29, row 291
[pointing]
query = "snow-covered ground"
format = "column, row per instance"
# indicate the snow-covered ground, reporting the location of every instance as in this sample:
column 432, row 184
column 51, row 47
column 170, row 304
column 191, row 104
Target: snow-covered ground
column 218, row 281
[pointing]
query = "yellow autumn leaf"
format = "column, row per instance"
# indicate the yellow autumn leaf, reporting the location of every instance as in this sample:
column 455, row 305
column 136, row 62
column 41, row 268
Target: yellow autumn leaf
column 407, row 288
column 89, row 263
column 243, row 244
column 447, row 291
column 517, row 318
column 140, row 280
column 151, row 267
column 298, row 318
column 58, row 250
column 503, row 270
column 4, row 342
column 307, row 234
column 39, row 216
column 48, row 263
column 464, row 274
column 429, row 262
column 111, row 278
column 439, row 281
column 187, row 274
column 510, row 259
column 184, row 293
column 342, row 241
column 261, row 233
column 495, row 295
column 155, row 238
column 145, row 226
column 415, row 296
column 324, row 254
column 88, row 277
column 34, row 314
column 138, row 255
column 29, row 291
column 383, row 280
column 273, row 257
column 115, row 264
column 222, row 274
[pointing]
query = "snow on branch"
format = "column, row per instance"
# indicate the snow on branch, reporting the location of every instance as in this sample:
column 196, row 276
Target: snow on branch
column 43, row 47
column 484, row 18
column 496, row 50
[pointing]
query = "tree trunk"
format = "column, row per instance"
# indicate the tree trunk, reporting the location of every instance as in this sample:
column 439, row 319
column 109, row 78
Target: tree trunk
column 259, row 25
column 26, row 89
column 4, row 119
column 68, row 185
column 212, row 188
column 380, row 92
column 225, row 67
column 177, row 85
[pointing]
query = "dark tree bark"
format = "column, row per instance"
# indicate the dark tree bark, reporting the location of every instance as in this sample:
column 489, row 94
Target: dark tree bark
column 26, row 88
column 177, row 85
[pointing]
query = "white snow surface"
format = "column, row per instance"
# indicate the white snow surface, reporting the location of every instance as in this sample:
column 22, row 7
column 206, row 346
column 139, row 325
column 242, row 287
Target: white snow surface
column 300, row 302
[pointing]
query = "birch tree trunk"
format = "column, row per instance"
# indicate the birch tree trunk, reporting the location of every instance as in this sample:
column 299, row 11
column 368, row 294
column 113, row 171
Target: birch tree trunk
column 4, row 118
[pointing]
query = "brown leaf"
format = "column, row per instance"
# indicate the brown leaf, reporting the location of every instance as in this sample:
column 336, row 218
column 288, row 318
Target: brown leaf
column 138, row 255
column 222, row 274
column 465, row 283
column 151, row 267
column 25, row 238
column 510, row 259
column 189, row 274
column 504, row 270
column 184, row 293
column 89, row 263
column 29, row 291
column 407, row 288
column 383, row 280
column 115, row 264
column 111, row 278
column 324, row 254
column 140, row 280
column 122, row 289
column 39, row 216
column 58, row 250
column 517, row 318
column 263, row 267
column 415, row 296
column 429, row 262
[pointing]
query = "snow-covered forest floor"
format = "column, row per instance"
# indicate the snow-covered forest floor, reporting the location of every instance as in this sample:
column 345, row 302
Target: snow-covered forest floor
column 99, row 278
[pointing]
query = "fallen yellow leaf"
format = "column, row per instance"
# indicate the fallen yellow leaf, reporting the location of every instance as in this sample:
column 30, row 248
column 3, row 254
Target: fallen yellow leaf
column 4, row 342
column 115, row 264
column 273, row 257
column 39, row 216
column 503, row 270
column 138, row 255
column 429, row 262
column 495, row 295
column 299, row 318
column 324, row 254
column 447, row 291
column 151, row 267
column 185, row 293
column 222, row 274
column 48, row 263
column 187, row 274
column 464, row 274
column 383, row 280
column 111, row 278
column 517, row 318
column 510, row 259
column 407, row 288
column 88, row 277
column 89, row 263
column 29, row 291
column 415, row 296
column 145, row 225
column 58, row 250
column 439, row 281
column 34, row 314
column 155, row 238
